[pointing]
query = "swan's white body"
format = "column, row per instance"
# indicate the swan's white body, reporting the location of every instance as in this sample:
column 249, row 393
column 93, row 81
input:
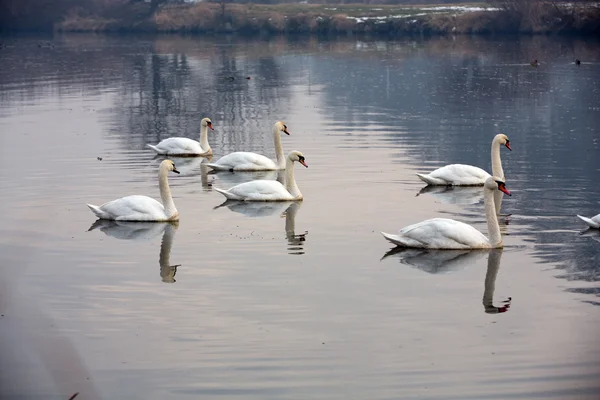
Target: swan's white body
column 264, row 190
column 444, row 233
column 593, row 222
column 142, row 208
column 184, row 147
column 468, row 175
column 247, row 161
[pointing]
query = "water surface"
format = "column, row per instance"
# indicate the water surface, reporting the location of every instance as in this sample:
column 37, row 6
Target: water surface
column 298, row 300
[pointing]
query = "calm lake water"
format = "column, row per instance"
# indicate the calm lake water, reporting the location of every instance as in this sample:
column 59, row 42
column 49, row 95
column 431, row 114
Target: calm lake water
column 284, row 301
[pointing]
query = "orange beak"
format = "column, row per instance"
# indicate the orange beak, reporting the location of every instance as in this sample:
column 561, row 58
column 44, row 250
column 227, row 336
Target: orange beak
column 508, row 146
column 504, row 189
column 303, row 163
column 210, row 126
column 286, row 131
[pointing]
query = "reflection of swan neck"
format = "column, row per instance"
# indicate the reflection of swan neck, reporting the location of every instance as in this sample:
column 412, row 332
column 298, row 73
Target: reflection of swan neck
column 290, row 181
column 167, row 272
column 278, row 147
column 490, row 280
column 496, row 161
column 290, row 220
column 492, row 220
column 204, row 138
column 165, row 191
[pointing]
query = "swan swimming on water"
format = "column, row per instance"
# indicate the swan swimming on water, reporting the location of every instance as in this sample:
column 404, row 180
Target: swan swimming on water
column 468, row 175
column 247, row 161
column 444, row 233
column 184, row 147
column 264, row 190
column 143, row 208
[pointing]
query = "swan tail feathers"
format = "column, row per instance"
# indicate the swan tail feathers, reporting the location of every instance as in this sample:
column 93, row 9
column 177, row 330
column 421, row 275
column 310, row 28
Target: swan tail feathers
column 397, row 240
column 430, row 180
column 215, row 167
column 589, row 221
column 228, row 195
column 97, row 211
column 153, row 148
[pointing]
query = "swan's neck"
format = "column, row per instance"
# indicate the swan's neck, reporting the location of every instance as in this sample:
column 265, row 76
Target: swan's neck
column 281, row 160
column 496, row 162
column 204, row 138
column 498, row 196
column 492, row 220
column 165, row 193
column 290, row 181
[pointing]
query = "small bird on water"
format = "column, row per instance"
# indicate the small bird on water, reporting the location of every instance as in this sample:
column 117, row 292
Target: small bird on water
column 577, row 61
column 534, row 63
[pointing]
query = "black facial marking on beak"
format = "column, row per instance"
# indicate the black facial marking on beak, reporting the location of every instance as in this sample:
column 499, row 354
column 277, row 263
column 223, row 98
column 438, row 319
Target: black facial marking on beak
column 175, row 169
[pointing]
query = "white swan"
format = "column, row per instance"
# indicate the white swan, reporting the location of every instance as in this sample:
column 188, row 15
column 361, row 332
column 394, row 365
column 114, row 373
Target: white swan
column 263, row 190
column 443, row 233
column 143, row 208
column 593, row 222
column 184, row 147
column 247, row 161
column 468, row 175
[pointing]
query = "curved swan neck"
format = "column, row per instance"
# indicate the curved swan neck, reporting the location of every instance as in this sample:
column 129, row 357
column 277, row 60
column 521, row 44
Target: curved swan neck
column 204, row 138
column 496, row 161
column 281, row 160
column 290, row 181
column 165, row 192
column 492, row 220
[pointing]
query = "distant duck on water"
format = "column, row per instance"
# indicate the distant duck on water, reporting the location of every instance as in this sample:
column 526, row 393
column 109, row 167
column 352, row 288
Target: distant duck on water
column 534, row 63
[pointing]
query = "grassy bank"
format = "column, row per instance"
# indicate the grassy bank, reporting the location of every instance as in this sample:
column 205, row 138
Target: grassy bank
column 507, row 16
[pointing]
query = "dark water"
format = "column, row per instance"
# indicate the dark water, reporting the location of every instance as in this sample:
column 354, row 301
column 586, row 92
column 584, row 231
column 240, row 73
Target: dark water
column 298, row 300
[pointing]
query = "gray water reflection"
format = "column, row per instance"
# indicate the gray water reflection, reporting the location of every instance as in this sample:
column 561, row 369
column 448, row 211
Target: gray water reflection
column 330, row 323
column 285, row 209
column 144, row 231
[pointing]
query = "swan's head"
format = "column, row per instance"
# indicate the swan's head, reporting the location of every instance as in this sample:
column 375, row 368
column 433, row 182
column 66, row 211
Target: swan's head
column 169, row 165
column 503, row 139
column 295, row 155
column 207, row 122
column 493, row 183
column 281, row 127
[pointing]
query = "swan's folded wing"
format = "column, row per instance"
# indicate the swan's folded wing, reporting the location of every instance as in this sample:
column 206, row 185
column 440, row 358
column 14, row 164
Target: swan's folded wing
column 179, row 145
column 443, row 233
column 261, row 190
column 461, row 174
column 243, row 160
column 132, row 207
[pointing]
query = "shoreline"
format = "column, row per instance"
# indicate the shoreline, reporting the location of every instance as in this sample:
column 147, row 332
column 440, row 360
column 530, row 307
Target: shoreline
column 309, row 19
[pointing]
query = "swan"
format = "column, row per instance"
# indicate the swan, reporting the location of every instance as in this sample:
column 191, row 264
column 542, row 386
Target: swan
column 468, row 175
column 184, row 147
column 264, row 190
column 143, row 208
column 593, row 222
column 247, row 161
column 443, row 233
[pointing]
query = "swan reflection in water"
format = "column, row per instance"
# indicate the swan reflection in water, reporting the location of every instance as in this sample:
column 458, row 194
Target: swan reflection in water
column 285, row 209
column 453, row 194
column 444, row 261
column 592, row 233
column 143, row 231
column 192, row 166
